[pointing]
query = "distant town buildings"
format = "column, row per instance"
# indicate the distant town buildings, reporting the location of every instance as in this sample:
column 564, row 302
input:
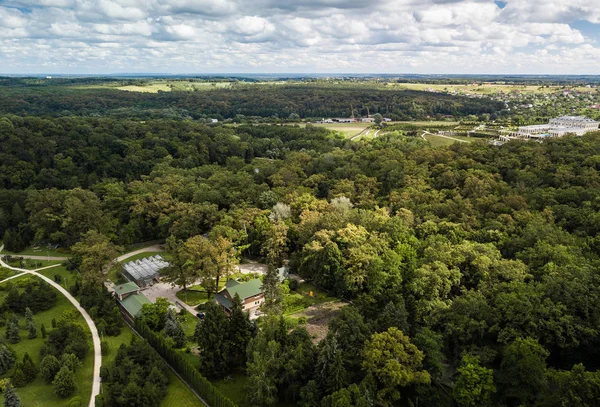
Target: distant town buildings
column 351, row 120
column 574, row 125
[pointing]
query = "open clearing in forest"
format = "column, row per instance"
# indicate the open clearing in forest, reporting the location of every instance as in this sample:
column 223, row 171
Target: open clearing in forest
column 347, row 130
column 151, row 88
column 437, row 140
column 318, row 317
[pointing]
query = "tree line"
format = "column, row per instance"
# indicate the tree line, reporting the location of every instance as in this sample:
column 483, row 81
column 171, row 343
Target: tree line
column 305, row 100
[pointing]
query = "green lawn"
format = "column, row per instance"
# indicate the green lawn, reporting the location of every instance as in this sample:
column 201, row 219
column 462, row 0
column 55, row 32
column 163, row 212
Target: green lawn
column 193, row 297
column 305, row 296
column 179, row 395
column 65, row 275
column 234, row 387
column 437, row 141
column 196, row 294
column 33, row 264
column 38, row 393
column 6, row 273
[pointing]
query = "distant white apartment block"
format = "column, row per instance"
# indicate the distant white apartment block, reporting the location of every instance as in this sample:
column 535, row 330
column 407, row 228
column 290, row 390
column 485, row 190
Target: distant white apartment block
column 575, row 125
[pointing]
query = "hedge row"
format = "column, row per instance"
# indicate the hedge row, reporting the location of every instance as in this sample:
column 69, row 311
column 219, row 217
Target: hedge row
column 189, row 373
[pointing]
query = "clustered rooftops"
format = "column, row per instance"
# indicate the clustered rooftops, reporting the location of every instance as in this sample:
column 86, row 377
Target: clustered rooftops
column 577, row 118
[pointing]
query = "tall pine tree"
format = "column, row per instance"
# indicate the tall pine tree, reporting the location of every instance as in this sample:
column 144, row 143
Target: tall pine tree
column 173, row 329
column 239, row 334
column 7, row 358
column 273, row 304
column 12, row 330
column 30, row 324
column 211, row 341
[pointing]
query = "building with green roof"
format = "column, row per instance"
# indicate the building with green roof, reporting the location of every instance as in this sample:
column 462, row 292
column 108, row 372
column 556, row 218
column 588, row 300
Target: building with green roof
column 130, row 299
column 133, row 304
column 250, row 293
column 122, row 290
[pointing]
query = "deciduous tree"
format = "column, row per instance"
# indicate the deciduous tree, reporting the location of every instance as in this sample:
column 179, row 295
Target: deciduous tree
column 394, row 362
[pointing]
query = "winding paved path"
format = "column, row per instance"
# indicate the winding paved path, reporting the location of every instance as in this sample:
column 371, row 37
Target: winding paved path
column 151, row 249
column 31, row 257
column 88, row 320
column 10, row 278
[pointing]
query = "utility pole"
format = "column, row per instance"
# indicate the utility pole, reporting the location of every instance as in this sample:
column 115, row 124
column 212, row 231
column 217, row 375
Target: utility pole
column 352, row 111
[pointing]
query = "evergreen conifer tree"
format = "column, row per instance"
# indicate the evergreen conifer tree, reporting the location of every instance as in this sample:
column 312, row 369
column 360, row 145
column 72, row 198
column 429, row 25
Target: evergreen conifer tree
column 273, row 295
column 173, row 329
column 211, row 340
column 239, row 334
column 11, row 398
column 49, row 367
column 64, row 382
column 30, row 324
column 12, row 330
column 29, row 368
column 7, row 358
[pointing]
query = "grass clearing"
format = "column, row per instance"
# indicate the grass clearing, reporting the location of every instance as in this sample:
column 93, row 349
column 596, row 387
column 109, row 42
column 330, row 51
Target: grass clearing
column 303, row 297
column 33, row 264
column 193, row 297
column 150, row 88
column 65, row 277
column 234, row 387
column 437, row 141
column 6, row 273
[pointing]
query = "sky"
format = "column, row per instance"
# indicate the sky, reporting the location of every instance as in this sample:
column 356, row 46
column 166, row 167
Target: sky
column 300, row 36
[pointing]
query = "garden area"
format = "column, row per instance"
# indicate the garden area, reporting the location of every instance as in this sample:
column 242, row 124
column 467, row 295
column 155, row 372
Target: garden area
column 55, row 329
column 300, row 296
column 177, row 394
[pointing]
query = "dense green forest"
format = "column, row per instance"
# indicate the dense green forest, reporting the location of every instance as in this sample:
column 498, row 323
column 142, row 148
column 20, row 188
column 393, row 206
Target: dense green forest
column 472, row 270
column 315, row 100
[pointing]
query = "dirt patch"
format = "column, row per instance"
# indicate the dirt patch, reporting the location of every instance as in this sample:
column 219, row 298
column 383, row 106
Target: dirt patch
column 253, row 267
column 318, row 317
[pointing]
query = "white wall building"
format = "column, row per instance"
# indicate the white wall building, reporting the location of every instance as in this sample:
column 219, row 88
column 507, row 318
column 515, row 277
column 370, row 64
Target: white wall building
column 576, row 125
